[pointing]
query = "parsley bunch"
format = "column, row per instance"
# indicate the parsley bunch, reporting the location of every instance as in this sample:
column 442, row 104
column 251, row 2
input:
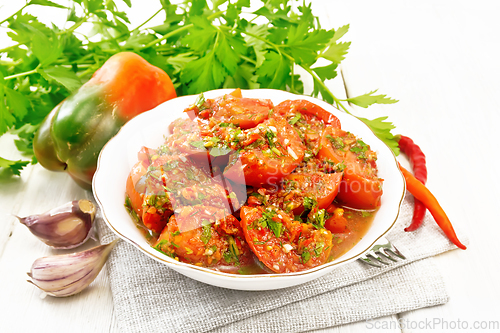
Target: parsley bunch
column 202, row 45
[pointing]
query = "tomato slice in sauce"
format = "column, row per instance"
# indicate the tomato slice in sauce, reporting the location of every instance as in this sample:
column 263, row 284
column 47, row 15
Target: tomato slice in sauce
column 234, row 109
column 336, row 223
column 290, row 108
column 269, row 152
column 322, row 187
column 195, row 235
column 282, row 244
column 360, row 186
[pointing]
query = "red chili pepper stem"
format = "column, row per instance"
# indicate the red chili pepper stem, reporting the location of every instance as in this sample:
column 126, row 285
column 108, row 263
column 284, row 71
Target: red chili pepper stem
column 419, row 191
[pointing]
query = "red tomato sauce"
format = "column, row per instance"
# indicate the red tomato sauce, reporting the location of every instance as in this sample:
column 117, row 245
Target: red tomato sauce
column 247, row 187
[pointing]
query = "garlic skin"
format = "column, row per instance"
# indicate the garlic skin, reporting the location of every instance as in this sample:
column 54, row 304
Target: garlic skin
column 68, row 274
column 64, row 227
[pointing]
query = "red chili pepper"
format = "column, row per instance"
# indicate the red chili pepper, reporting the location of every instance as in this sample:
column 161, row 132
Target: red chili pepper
column 421, row 192
column 417, row 161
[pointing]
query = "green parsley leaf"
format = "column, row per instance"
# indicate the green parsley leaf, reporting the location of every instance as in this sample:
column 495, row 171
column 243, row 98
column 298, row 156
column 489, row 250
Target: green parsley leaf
column 326, row 72
column 274, row 71
column 6, row 117
column 368, row 99
column 382, row 130
column 339, row 33
column 17, row 103
column 14, row 166
column 46, row 3
column 62, row 76
column 254, row 39
column 304, row 44
column 336, row 52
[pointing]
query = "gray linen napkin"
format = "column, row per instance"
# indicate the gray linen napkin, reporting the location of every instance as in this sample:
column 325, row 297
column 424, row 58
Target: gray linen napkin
column 149, row 297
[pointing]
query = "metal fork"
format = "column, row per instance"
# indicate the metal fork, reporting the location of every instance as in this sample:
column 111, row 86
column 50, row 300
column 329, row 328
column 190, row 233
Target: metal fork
column 383, row 252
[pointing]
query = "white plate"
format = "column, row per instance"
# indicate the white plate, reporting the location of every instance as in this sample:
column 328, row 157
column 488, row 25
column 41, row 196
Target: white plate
column 148, row 129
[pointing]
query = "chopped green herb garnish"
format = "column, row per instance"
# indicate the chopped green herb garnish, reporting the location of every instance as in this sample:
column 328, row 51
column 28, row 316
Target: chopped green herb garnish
column 360, row 149
column 206, row 234
column 276, row 151
column 198, row 144
column 219, row 151
column 232, row 254
column 270, row 138
column 318, row 249
column 336, row 141
column 310, row 203
column 267, row 221
column 159, row 247
column 200, row 101
column 295, row 119
column 305, row 256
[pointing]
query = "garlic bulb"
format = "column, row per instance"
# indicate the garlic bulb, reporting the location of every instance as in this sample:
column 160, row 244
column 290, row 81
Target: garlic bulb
column 68, row 274
column 64, row 227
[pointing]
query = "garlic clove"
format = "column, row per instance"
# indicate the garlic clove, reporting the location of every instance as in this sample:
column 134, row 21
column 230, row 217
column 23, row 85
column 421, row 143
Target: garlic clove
column 64, row 227
column 68, row 274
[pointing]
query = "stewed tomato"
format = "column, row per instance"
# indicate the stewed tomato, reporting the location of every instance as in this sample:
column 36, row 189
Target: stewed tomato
column 194, row 235
column 281, row 243
column 234, row 109
column 336, row 223
column 269, row 152
column 308, row 120
column 290, row 108
column 307, row 189
column 360, row 187
column 319, row 186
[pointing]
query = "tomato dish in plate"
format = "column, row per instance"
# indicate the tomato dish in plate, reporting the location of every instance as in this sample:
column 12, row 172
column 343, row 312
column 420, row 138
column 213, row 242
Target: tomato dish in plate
column 252, row 190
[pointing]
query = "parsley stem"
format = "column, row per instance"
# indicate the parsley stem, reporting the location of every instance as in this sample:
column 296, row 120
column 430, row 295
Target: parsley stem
column 247, row 59
column 322, row 84
column 10, row 77
column 145, row 22
column 16, row 13
column 168, row 35
column 5, row 49
column 176, row 31
column 74, row 26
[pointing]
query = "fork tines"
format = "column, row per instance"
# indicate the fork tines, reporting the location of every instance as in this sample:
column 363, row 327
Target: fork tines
column 382, row 254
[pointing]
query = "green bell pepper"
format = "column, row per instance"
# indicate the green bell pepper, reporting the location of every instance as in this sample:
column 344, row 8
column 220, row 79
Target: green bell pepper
column 71, row 137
